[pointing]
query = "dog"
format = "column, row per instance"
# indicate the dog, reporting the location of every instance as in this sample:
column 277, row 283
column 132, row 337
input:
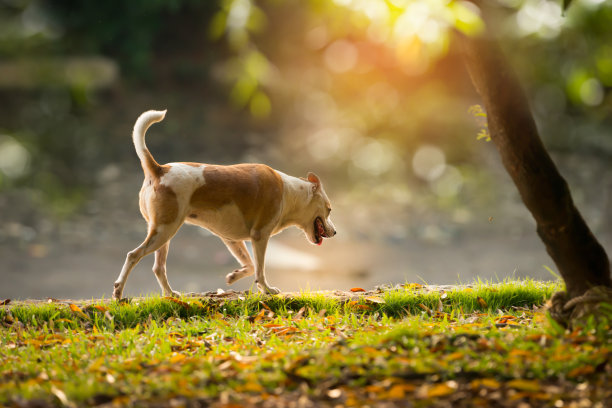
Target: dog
column 237, row 203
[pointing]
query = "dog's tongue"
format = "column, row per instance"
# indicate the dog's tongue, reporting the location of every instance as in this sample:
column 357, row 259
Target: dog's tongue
column 320, row 231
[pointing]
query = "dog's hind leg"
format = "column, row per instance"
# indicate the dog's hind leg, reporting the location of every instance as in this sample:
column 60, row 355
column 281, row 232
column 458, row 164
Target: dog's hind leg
column 157, row 237
column 240, row 252
column 159, row 268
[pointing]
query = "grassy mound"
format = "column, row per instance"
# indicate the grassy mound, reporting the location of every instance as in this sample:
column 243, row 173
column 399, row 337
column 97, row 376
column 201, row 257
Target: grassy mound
column 412, row 345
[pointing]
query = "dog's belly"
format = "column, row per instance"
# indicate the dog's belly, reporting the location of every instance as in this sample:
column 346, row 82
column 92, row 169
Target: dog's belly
column 226, row 222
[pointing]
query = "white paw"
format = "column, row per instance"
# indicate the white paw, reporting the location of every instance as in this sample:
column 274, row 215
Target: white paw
column 117, row 291
column 172, row 293
column 238, row 274
column 231, row 277
column 268, row 289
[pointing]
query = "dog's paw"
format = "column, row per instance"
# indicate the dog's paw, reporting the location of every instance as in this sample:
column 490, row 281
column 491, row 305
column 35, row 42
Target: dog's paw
column 117, row 291
column 231, row 277
column 238, row 274
column 271, row 290
column 172, row 293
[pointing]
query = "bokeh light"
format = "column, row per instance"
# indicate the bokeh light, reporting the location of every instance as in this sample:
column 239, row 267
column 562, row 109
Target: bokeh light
column 429, row 162
column 14, row 158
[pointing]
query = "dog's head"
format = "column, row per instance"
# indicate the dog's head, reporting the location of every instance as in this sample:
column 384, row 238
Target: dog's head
column 317, row 223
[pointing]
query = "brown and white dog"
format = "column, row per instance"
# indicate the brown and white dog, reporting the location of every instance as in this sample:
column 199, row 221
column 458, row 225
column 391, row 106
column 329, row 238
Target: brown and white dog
column 237, row 203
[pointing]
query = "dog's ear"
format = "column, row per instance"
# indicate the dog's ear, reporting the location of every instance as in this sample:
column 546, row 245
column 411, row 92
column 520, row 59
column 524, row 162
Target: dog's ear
column 314, row 180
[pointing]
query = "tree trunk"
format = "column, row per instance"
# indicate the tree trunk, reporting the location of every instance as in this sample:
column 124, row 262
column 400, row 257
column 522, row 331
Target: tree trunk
column 580, row 259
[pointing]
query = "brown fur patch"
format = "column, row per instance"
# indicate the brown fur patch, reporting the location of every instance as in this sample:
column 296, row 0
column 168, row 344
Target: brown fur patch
column 164, row 205
column 255, row 188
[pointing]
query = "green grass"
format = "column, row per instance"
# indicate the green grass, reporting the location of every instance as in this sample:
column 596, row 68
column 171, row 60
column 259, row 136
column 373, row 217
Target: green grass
column 489, row 343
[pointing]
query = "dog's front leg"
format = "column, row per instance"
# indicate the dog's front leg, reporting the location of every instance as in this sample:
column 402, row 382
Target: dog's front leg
column 260, row 243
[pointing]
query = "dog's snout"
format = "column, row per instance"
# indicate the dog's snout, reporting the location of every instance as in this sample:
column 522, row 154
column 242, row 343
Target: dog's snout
column 333, row 233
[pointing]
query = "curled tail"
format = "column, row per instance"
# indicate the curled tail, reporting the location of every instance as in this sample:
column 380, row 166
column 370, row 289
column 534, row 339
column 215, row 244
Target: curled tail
column 144, row 121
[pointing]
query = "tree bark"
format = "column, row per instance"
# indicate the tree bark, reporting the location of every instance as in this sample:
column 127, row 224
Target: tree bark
column 580, row 259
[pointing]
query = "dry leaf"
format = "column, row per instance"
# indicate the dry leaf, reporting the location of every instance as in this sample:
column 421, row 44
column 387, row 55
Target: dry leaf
column 481, row 302
column 198, row 303
column 357, row 290
column 441, row 390
column 61, row 396
column 581, row 371
column 485, row 383
column 425, row 308
column 177, row 358
column 177, row 301
column 524, row 385
column 300, row 313
column 5, row 302
column 77, row 311
column 398, row 391
column 374, row 299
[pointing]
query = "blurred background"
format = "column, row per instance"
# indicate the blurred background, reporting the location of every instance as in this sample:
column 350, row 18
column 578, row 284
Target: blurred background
column 371, row 95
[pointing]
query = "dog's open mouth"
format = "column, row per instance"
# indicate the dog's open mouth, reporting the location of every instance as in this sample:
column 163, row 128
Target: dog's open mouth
column 319, row 231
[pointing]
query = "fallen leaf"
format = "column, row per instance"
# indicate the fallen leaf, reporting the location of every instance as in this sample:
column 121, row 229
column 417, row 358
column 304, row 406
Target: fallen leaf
column 61, row 396
column 300, row 313
column 357, row 290
column 374, row 299
column 177, row 358
column 100, row 308
column 177, row 301
column 439, row 390
column 485, row 383
column 198, row 303
column 524, row 385
column 398, row 391
column 481, row 302
column 425, row 308
column 5, row 302
column 77, row 311
column 581, row 371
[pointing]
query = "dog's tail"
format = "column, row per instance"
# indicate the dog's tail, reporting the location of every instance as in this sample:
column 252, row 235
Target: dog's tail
column 144, row 121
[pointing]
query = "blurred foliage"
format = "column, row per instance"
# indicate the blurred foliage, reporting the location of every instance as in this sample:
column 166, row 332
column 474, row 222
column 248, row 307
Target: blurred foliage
column 370, row 92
